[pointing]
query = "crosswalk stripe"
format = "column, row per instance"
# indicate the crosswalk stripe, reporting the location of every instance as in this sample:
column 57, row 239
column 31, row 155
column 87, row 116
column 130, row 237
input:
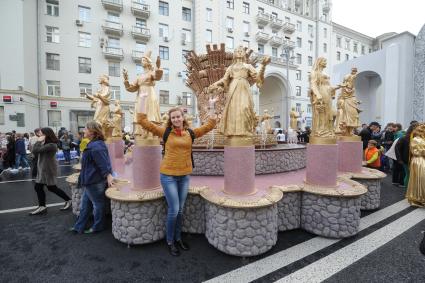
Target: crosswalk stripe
column 335, row 262
column 28, row 208
column 283, row 258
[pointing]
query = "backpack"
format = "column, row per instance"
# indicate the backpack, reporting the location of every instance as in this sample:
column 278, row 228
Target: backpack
column 165, row 138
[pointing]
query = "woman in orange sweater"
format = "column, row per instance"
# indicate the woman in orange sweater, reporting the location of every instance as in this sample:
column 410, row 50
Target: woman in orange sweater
column 175, row 168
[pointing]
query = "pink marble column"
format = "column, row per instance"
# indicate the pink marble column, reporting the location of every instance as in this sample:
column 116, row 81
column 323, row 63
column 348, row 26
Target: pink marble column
column 119, row 148
column 239, row 170
column 322, row 164
column 350, row 156
column 146, row 162
column 111, row 151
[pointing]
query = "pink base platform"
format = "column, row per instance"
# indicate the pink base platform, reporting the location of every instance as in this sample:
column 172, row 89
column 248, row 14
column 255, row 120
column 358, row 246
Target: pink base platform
column 146, row 163
column 118, row 148
column 239, row 170
column 350, row 156
column 322, row 164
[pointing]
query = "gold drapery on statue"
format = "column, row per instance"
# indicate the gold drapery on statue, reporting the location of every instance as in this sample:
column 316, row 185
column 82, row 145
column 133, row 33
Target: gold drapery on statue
column 100, row 101
column 416, row 188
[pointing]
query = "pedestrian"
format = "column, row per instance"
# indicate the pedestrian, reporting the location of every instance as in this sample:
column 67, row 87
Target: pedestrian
column 95, row 177
column 45, row 151
column 372, row 155
column 280, row 137
column 366, row 133
column 66, row 147
column 176, row 166
column 10, row 155
column 21, row 153
column 402, row 153
column 34, row 160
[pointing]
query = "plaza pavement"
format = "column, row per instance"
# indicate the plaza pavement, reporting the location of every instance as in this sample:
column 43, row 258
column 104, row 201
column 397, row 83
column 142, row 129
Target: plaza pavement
column 40, row 248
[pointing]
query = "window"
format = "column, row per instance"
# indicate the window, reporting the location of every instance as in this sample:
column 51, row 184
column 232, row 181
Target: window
column 141, row 47
column 163, row 8
column 208, row 35
column 310, row 60
column 309, row 108
column 209, row 15
column 274, row 15
column 310, row 30
column 187, row 99
column 260, row 10
column 347, row 57
column 325, row 33
column 299, row 26
column 165, row 75
column 186, row 14
column 274, row 51
column 261, row 48
column 298, row 58
column 84, row 14
column 338, row 42
column 245, row 43
column 84, row 65
column 230, row 4
column 184, row 54
column 338, row 55
column 298, row 90
column 54, row 118
column 53, row 88
column 115, row 92
column 113, row 17
column 229, row 22
column 163, row 30
column 1, row 115
column 52, row 34
column 363, row 49
column 298, row 75
column 113, row 42
column 299, row 42
column 52, row 8
column 310, row 45
column 140, row 23
column 246, row 27
column 187, row 35
column 325, row 47
column 85, row 88
column 114, row 68
column 355, row 47
column 230, row 42
column 164, row 97
column 347, row 44
column 52, row 61
column 245, row 7
column 164, row 52
column 298, row 105
column 84, row 39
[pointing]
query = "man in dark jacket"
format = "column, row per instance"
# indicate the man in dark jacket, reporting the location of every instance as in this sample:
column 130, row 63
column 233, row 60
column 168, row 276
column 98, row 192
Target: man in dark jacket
column 21, row 152
column 366, row 133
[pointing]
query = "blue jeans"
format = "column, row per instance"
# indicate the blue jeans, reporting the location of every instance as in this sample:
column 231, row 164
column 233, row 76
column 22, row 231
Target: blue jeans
column 21, row 158
column 67, row 155
column 175, row 190
column 93, row 197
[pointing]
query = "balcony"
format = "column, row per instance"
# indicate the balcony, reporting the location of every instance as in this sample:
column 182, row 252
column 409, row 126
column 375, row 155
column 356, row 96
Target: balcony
column 326, row 8
column 140, row 10
column 276, row 24
column 139, row 33
column 276, row 41
column 263, row 19
column 288, row 44
column 114, row 5
column 112, row 28
column 288, row 28
column 262, row 37
column 282, row 62
column 137, row 56
column 115, row 53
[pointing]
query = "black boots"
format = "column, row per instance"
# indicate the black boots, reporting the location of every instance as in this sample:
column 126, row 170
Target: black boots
column 184, row 246
column 173, row 250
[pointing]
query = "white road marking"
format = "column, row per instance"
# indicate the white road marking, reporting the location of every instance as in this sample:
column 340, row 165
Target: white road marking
column 28, row 208
column 27, row 180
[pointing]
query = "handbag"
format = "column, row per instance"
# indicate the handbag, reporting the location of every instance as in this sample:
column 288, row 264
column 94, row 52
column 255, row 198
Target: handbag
column 422, row 244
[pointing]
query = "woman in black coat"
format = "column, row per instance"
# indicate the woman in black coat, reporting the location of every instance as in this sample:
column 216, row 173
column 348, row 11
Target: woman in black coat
column 45, row 150
column 9, row 156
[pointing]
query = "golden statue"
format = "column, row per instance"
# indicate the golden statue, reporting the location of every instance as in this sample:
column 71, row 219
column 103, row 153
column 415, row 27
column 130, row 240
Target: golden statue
column 117, row 120
column 189, row 119
column 238, row 117
column 266, row 122
column 100, row 101
column 164, row 119
column 416, row 188
column 144, row 85
column 293, row 115
column 321, row 94
column 348, row 106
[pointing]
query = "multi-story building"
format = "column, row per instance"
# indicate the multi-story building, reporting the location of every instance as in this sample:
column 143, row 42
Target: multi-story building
column 54, row 51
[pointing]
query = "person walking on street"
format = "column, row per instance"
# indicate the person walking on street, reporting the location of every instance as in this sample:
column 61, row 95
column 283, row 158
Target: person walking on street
column 21, row 153
column 66, row 147
column 45, row 150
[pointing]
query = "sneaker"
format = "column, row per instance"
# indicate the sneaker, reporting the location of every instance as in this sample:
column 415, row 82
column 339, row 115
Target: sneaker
column 89, row 231
column 13, row 171
column 27, row 168
column 39, row 210
column 67, row 205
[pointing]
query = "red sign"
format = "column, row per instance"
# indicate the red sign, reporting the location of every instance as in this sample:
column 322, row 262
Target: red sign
column 53, row 104
column 7, row 98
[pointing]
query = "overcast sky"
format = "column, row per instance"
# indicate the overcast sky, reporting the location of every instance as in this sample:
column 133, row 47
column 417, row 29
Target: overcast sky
column 375, row 17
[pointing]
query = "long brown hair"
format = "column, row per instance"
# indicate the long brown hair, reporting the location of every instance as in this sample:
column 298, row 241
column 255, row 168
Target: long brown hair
column 174, row 109
column 50, row 136
column 96, row 129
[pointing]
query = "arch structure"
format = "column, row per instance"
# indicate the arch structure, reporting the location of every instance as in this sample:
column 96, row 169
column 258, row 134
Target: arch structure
column 419, row 77
column 274, row 96
column 384, row 83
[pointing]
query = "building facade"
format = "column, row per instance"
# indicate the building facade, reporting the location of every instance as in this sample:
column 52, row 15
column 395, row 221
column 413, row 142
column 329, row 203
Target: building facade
column 55, row 50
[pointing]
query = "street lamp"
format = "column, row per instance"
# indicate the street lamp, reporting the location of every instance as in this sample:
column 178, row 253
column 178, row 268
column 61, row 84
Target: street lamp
column 287, row 50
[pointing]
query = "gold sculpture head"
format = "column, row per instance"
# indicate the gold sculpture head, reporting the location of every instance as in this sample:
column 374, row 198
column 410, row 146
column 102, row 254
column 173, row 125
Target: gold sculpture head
column 239, row 54
column 104, row 79
column 266, row 111
column 117, row 102
column 353, row 70
column 320, row 64
column 146, row 60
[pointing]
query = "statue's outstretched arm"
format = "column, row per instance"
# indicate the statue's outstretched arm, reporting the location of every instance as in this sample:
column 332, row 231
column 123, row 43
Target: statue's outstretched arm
column 129, row 87
column 158, row 70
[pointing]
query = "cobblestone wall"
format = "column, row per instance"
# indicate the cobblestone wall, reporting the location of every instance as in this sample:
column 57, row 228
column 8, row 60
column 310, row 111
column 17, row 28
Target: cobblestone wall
column 289, row 211
column 372, row 199
column 194, row 214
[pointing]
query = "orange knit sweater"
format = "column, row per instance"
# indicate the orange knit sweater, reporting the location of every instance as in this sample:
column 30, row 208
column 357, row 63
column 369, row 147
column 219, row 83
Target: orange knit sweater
column 177, row 160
